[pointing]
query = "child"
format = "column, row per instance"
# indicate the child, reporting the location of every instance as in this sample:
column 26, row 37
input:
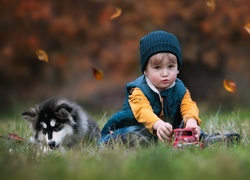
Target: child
column 157, row 102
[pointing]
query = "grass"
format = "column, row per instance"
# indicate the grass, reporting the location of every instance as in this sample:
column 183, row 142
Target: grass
column 21, row 160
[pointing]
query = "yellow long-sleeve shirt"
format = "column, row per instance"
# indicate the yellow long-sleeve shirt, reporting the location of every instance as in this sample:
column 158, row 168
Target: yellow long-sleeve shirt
column 144, row 114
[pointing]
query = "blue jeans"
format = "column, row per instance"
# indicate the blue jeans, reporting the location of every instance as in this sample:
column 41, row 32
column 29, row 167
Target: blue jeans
column 122, row 132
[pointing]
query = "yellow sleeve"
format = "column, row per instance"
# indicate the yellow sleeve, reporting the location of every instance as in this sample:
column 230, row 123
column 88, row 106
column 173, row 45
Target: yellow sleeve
column 189, row 109
column 142, row 109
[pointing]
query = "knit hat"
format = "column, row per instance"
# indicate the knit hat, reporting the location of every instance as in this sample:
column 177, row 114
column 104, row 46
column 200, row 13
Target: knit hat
column 157, row 42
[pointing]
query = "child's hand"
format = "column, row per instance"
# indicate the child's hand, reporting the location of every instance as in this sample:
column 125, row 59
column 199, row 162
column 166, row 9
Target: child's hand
column 164, row 130
column 192, row 123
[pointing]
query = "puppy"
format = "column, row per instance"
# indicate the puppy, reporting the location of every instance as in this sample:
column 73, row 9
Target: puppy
column 60, row 122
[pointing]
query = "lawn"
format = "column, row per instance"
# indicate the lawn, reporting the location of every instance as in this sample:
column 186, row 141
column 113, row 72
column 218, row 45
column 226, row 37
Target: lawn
column 21, row 160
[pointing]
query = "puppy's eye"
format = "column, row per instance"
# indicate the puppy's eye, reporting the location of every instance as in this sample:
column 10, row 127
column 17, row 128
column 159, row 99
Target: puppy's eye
column 44, row 131
column 43, row 127
column 58, row 127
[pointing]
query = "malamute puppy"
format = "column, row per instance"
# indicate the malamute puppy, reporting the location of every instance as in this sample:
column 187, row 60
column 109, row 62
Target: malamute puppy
column 60, row 122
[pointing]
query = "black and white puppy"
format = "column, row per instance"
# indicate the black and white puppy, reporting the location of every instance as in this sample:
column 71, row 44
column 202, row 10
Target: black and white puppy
column 60, row 122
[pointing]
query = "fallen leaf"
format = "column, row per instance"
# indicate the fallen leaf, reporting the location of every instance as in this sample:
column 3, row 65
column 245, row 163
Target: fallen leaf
column 116, row 14
column 98, row 74
column 247, row 27
column 229, row 85
column 42, row 55
column 13, row 136
column 211, row 4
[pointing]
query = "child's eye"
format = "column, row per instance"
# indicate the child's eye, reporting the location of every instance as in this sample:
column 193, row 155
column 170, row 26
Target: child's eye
column 171, row 66
column 157, row 67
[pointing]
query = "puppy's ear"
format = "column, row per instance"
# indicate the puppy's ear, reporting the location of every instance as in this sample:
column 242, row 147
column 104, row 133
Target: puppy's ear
column 62, row 113
column 65, row 112
column 30, row 115
column 65, row 106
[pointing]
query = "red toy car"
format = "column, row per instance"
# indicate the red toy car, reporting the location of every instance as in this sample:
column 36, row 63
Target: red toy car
column 185, row 138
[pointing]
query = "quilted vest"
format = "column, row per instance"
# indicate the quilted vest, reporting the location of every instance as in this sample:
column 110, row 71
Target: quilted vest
column 172, row 98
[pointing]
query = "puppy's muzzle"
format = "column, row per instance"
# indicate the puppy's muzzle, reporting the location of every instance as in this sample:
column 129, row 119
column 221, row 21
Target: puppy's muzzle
column 52, row 145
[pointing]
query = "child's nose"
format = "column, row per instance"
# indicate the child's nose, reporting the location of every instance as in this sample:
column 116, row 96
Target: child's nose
column 164, row 72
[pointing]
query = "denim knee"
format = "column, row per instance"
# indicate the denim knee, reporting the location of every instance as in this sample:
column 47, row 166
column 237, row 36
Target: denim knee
column 119, row 133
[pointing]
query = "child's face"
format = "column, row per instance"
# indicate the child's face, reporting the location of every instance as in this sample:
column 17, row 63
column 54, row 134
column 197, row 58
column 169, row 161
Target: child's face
column 162, row 70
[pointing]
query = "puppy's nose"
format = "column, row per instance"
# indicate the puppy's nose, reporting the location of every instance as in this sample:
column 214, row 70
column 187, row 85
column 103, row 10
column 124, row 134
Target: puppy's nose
column 52, row 144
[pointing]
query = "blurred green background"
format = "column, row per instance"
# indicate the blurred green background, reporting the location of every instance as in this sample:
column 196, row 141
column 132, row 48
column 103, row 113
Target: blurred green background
column 79, row 35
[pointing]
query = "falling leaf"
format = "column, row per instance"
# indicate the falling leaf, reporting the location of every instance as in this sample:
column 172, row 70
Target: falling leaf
column 247, row 27
column 229, row 85
column 42, row 55
column 211, row 4
column 98, row 74
column 116, row 14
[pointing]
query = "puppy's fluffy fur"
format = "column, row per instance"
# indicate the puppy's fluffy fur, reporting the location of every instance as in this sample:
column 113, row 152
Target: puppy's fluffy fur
column 60, row 122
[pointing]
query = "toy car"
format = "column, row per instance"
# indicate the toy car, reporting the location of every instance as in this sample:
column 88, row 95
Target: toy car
column 185, row 137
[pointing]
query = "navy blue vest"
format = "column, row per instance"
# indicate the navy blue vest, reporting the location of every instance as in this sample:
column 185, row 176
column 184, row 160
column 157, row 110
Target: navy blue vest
column 172, row 98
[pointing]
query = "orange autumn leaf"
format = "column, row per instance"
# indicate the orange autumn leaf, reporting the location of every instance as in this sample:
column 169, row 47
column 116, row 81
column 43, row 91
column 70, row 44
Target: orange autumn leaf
column 11, row 136
column 42, row 55
column 15, row 137
column 211, row 4
column 229, row 85
column 247, row 27
column 116, row 14
column 98, row 74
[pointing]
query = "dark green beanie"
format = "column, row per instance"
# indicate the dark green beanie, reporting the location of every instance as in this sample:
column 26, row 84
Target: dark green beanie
column 157, row 42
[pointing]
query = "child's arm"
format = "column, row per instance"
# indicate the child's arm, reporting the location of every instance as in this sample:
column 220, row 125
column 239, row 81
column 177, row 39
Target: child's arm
column 189, row 109
column 142, row 109
column 190, row 113
column 143, row 113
